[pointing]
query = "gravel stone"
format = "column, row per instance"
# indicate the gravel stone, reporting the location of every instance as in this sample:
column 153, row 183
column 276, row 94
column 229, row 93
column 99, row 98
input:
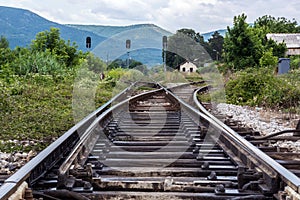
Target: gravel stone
column 10, row 162
column 263, row 121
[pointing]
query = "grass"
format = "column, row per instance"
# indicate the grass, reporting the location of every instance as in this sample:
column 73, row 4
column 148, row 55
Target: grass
column 39, row 107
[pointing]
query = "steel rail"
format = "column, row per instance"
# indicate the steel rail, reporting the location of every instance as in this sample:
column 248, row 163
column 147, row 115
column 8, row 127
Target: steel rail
column 77, row 150
column 290, row 178
column 90, row 123
column 64, row 168
column 36, row 167
column 273, row 135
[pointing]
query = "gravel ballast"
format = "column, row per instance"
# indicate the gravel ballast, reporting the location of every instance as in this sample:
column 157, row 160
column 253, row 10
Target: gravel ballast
column 264, row 121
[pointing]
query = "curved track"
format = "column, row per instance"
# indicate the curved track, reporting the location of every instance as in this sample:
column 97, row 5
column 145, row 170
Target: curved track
column 152, row 146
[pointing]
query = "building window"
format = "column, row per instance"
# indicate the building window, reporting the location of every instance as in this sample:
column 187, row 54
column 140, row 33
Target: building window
column 183, row 69
column 191, row 69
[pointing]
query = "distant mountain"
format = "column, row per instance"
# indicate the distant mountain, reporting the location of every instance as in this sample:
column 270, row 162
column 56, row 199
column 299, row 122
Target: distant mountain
column 208, row 35
column 221, row 31
column 146, row 42
column 20, row 27
column 109, row 31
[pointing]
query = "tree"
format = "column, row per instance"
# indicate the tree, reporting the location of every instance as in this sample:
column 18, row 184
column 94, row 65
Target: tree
column 95, row 64
column 4, row 44
column 268, row 59
column 119, row 63
column 279, row 25
column 186, row 45
column 173, row 60
column 198, row 38
column 242, row 46
column 6, row 57
column 114, row 65
column 278, row 50
column 192, row 34
column 216, row 45
column 50, row 41
column 134, row 64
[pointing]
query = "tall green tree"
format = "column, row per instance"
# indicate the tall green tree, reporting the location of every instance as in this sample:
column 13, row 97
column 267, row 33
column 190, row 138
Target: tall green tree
column 241, row 47
column 51, row 41
column 4, row 44
column 268, row 24
column 198, row 38
column 6, row 54
column 192, row 34
column 246, row 46
column 280, row 25
column 216, row 44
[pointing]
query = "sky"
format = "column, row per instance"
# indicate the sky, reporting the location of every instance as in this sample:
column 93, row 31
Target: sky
column 201, row 15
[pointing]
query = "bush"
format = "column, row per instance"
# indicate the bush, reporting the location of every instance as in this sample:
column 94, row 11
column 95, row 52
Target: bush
column 263, row 88
column 38, row 108
column 116, row 74
column 267, row 59
column 4, row 97
column 295, row 62
column 95, row 64
column 37, row 62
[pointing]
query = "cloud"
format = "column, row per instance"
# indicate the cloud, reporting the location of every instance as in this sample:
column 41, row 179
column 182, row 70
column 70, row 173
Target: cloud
column 200, row 15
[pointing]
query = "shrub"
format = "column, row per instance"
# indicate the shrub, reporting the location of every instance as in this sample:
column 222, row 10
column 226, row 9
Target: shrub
column 95, row 64
column 267, row 59
column 44, row 63
column 261, row 87
column 295, row 62
column 116, row 74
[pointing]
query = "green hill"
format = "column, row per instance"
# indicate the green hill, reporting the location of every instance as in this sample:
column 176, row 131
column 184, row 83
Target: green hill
column 146, row 42
column 109, row 31
column 20, row 26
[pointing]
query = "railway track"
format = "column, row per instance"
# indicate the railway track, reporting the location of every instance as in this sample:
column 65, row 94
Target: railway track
column 283, row 156
column 288, row 159
column 152, row 146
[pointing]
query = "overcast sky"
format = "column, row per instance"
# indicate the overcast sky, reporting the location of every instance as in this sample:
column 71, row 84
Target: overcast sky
column 200, row 15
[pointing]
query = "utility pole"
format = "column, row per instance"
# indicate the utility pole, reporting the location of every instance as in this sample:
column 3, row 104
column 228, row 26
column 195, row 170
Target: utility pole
column 165, row 45
column 217, row 54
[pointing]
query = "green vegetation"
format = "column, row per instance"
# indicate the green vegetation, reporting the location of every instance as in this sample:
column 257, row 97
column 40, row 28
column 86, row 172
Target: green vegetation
column 246, row 46
column 36, row 89
column 36, row 107
column 250, row 62
column 261, row 88
column 41, row 85
column 196, row 47
column 124, row 64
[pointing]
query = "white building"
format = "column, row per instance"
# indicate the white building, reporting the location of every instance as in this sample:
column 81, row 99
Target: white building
column 188, row 67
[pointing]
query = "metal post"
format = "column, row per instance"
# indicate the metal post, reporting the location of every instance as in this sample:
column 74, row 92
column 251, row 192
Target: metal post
column 128, row 44
column 165, row 45
column 217, row 54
